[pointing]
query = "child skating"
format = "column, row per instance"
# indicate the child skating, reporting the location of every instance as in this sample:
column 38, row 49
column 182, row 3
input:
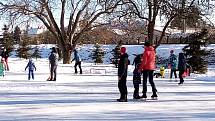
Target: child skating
column 31, row 67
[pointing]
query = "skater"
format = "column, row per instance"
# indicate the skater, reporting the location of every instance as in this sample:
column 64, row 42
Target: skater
column 31, row 67
column 5, row 55
column 161, row 73
column 136, row 82
column 122, row 75
column 136, row 76
column 173, row 64
column 2, row 67
column 77, row 62
column 147, row 67
column 181, row 67
column 53, row 58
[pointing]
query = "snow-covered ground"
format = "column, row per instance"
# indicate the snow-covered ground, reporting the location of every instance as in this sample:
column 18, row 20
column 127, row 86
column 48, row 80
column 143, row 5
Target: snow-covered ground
column 92, row 96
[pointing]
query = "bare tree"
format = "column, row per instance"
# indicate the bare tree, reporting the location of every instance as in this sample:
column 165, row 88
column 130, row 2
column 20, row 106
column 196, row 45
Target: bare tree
column 63, row 18
column 150, row 11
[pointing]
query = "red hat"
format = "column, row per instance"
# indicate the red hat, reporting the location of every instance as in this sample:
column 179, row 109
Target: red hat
column 123, row 49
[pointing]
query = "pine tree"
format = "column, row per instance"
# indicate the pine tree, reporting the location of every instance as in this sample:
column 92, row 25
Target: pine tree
column 195, row 54
column 37, row 53
column 116, row 54
column 16, row 34
column 97, row 54
column 23, row 51
column 7, row 39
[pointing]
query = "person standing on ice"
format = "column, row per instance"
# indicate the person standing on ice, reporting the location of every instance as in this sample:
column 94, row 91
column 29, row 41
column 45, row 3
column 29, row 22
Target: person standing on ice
column 122, row 75
column 147, row 67
column 53, row 61
column 31, row 67
column 77, row 62
column 136, row 76
column 181, row 66
column 5, row 55
column 172, row 64
column 2, row 67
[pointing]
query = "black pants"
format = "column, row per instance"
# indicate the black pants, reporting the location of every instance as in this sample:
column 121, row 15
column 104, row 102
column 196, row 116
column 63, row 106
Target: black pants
column 180, row 76
column 146, row 74
column 53, row 72
column 171, row 72
column 123, row 87
column 136, row 90
column 79, row 65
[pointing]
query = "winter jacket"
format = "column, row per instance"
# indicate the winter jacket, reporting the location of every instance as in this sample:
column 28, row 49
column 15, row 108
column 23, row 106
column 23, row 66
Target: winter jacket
column 173, row 61
column 148, row 59
column 181, row 62
column 5, row 54
column 123, row 65
column 137, row 60
column 76, row 57
column 31, row 66
column 2, row 69
column 53, row 58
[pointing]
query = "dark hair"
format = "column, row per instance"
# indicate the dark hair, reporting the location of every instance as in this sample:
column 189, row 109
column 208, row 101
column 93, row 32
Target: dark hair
column 147, row 44
column 54, row 49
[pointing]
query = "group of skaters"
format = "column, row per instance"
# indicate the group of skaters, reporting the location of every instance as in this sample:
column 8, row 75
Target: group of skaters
column 53, row 63
column 145, row 65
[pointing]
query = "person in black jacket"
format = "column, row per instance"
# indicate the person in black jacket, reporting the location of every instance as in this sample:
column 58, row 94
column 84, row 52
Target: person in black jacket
column 181, row 66
column 5, row 55
column 122, row 75
column 53, row 60
column 77, row 62
column 136, row 76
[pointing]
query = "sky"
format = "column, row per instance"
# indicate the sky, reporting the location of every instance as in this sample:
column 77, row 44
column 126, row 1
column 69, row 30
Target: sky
column 92, row 96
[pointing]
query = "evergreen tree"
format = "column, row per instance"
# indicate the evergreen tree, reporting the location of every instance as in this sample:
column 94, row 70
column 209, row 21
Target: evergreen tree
column 7, row 39
column 16, row 34
column 37, row 53
column 97, row 54
column 116, row 54
column 195, row 54
column 23, row 51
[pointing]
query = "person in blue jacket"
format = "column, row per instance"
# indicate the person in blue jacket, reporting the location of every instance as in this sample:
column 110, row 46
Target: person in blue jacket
column 173, row 64
column 77, row 62
column 31, row 67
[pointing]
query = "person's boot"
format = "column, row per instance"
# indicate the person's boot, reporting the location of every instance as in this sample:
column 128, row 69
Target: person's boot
column 154, row 96
column 144, row 96
column 123, row 99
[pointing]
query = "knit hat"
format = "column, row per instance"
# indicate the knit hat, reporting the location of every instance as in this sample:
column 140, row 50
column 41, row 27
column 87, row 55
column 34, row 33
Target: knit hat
column 171, row 51
column 123, row 49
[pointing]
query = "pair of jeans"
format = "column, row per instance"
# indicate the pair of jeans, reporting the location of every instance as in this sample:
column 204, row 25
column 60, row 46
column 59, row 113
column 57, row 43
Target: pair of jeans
column 148, row 74
column 79, row 65
column 181, row 72
column 30, row 74
column 123, row 87
column 53, row 72
column 171, row 72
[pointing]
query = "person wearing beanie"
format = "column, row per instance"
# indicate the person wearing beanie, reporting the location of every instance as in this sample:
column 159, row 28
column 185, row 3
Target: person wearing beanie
column 53, row 60
column 31, row 67
column 147, row 67
column 122, row 75
column 172, row 64
column 77, row 62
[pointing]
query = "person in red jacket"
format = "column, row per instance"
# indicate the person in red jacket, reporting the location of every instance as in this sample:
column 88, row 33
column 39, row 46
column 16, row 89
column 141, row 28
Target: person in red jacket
column 147, row 67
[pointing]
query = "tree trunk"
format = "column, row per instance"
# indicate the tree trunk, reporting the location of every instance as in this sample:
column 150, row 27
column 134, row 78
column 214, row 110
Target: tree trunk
column 66, row 57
